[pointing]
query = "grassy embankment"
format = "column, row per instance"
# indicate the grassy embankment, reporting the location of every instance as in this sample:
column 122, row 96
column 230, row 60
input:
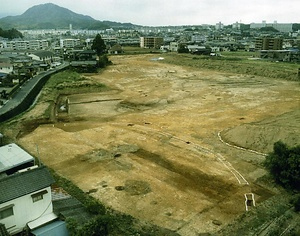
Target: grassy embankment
column 237, row 63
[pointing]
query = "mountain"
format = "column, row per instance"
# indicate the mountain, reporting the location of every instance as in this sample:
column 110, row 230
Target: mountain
column 51, row 16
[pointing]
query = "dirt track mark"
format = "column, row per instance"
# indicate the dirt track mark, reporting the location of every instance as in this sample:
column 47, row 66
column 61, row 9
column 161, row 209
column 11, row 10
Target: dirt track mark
column 92, row 101
column 188, row 177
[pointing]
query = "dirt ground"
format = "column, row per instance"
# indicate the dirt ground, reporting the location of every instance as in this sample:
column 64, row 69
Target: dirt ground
column 150, row 147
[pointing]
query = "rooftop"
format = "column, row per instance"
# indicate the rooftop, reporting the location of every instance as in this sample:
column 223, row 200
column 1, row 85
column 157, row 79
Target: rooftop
column 12, row 155
column 23, row 183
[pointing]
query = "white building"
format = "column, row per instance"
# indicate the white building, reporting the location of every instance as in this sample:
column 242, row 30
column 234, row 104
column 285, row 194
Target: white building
column 25, row 192
column 42, row 56
column 6, row 67
column 219, row 26
column 69, row 43
column 282, row 27
column 26, row 200
column 28, row 45
column 173, row 46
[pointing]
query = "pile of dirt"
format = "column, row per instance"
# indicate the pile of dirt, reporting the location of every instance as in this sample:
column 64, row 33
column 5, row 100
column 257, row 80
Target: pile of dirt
column 260, row 136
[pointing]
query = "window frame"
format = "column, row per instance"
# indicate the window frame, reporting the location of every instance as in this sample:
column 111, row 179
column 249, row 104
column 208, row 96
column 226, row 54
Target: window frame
column 38, row 196
column 7, row 211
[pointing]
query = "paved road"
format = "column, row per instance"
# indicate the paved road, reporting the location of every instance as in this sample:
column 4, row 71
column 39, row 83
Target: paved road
column 23, row 92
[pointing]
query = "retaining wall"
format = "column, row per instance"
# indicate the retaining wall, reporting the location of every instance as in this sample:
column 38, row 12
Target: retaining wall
column 29, row 98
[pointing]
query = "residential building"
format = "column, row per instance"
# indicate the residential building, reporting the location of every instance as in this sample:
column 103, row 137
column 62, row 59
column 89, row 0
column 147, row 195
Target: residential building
column 151, row 42
column 281, row 55
column 219, row 26
column 26, row 196
column 198, row 38
column 236, row 25
column 281, row 27
column 42, row 56
column 28, row 45
column 6, row 67
column 116, row 49
column 26, row 200
column 267, row 43
column 69, row 43
column 174, row 47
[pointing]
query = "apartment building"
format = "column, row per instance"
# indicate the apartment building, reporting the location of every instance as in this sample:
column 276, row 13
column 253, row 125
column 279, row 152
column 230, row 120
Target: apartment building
column 281, row 27
column 151, row 42
column 267, row 43
column 28, row 45
column 69, row 43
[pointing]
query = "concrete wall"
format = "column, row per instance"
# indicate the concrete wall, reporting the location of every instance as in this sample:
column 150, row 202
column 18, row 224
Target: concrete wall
column 27, row 101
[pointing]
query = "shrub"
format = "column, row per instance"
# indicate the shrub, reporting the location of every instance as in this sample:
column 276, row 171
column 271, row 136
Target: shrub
column 103, row 61
column 284, row 165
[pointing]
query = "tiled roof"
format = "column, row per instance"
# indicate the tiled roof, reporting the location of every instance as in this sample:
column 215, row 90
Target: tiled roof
column 71, row 208
column 20, row 184
column 43, row 54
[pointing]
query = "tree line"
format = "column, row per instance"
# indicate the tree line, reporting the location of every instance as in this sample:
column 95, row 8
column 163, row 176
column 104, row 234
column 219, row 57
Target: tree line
column 10, row 34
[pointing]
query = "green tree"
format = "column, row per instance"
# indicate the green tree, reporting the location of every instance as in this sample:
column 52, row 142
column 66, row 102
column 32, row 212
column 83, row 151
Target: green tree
column 182, row 48
column 284, row 165
column 99, row 45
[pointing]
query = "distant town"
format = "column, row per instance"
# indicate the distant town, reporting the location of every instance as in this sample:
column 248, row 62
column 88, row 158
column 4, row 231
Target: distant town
column 41, row 50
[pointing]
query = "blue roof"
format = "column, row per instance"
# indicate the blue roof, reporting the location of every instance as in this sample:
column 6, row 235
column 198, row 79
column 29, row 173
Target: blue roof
column 3, row 74
column 55, row 228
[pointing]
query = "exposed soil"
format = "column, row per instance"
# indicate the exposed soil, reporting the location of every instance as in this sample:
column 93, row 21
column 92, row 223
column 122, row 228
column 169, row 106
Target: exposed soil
column 150, row 146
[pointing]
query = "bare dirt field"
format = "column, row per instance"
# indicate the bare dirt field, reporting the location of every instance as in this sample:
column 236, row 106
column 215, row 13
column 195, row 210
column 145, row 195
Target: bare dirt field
column 151, row 146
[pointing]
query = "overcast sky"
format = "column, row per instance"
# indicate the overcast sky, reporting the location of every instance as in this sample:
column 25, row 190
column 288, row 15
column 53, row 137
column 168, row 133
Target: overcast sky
column 171, row 12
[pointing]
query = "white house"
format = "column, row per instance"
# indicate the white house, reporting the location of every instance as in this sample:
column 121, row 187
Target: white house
column 25, row 199
column 42, row 56
column 6, row 67
column 173, row 46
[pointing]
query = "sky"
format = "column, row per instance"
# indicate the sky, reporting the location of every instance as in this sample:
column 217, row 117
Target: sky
column 171, row 12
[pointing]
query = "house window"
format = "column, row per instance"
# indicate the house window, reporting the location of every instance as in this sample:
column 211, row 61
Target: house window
column 38, row 196
column 6, row 212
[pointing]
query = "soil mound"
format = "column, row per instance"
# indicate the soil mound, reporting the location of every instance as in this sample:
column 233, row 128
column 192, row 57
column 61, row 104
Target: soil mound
column 260, row 136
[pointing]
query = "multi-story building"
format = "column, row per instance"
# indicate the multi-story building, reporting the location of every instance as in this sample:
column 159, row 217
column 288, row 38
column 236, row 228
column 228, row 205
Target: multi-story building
column 151, row 42
column 219, row 26
column 28, row 45
column 174, row 46
column 281, row 27
column 69, row 43
column 267, row 43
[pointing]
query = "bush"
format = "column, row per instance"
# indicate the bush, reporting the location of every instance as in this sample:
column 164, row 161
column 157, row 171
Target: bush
column 284, row 165
column 296, row 203
column 103, row 61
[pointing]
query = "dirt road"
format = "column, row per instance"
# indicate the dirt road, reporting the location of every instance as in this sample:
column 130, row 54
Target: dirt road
column 149, row 147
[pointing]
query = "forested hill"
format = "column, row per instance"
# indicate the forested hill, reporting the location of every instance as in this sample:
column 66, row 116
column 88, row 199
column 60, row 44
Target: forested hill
column 10, row 34
column 51, row 16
